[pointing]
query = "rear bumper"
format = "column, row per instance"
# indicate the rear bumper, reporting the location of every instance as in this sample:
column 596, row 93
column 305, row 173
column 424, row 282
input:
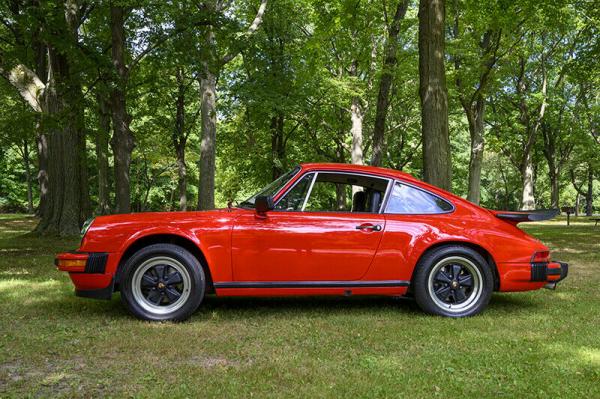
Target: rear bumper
column 88, row 272
column 526, row 276
column 552, row 272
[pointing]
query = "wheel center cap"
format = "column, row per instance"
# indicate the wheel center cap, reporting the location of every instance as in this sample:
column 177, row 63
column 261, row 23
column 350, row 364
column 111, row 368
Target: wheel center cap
column 454, row 284
column 161, row 285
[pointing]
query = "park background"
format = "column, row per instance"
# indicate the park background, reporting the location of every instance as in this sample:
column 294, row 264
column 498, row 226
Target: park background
column 150, row 105
column 118, row 106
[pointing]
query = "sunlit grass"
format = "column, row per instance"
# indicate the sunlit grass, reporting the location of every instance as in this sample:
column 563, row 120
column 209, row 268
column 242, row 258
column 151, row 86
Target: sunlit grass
column 537, row 344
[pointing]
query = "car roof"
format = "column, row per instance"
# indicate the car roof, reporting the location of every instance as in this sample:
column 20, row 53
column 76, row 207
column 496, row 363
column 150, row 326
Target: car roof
column 390, row 173
column 344, row 167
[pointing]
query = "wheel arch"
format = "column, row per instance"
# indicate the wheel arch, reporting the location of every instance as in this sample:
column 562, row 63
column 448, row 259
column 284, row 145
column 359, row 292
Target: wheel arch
column 471, row 245
column 165, row 238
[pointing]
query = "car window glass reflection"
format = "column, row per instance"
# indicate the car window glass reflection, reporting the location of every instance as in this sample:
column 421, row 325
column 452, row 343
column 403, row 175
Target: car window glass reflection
column 409, row 200
column 294, row 199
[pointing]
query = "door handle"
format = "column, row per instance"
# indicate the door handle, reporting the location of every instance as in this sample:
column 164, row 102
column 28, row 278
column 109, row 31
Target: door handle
column 369, row 226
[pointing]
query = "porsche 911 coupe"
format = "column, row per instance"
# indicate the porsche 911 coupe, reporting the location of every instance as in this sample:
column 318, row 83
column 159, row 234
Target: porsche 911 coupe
column 320, row 229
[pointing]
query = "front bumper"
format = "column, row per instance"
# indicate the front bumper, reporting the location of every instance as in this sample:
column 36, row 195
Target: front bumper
column 88, row 271
column 552, row 272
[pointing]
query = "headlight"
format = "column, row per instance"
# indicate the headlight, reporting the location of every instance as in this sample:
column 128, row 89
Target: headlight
column 86, row 226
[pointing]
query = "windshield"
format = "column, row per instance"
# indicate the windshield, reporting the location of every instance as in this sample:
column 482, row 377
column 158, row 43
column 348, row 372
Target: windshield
column 272, row 188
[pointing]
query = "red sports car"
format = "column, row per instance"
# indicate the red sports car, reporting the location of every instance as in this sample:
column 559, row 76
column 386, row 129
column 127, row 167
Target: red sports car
column 320, row 229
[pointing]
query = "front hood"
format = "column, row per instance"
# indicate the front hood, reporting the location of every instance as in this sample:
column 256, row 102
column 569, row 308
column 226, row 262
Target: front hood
column 159, row 218
column 112, row 233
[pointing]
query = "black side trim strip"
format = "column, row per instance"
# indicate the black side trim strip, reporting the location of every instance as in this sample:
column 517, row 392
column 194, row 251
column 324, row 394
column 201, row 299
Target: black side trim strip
column 313, row 284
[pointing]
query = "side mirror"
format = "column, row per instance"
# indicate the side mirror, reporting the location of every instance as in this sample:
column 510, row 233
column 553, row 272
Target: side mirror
column 263, row 204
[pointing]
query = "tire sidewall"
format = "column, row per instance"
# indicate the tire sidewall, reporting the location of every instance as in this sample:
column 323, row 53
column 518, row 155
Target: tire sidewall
column 430, row 260
column 189, row 262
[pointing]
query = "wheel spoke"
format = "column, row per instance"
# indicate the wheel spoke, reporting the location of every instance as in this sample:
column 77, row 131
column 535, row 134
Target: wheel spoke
column 148, row 281
column 459, row 295
column 466, row 281
column 173, row 278
column 456, row 271
column 442, row 277
column 160, row 271
column 172, row 294
column 443, row 293
column 155, row 296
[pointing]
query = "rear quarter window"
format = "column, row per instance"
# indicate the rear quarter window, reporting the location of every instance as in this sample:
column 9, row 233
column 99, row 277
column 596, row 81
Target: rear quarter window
column 409, row 200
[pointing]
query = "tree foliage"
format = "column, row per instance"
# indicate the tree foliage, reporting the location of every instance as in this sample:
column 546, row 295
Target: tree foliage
column 153, row 106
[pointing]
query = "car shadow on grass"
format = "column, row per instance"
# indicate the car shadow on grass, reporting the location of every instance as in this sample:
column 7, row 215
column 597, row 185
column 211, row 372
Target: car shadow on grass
column 250, row 307
column 331, row 304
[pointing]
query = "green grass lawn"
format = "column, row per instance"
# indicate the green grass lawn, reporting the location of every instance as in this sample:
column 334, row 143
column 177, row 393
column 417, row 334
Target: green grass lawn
column 525, row 345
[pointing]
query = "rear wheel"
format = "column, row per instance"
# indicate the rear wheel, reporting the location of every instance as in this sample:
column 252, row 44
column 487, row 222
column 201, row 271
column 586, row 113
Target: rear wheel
column 162, row 282
column 453, row 281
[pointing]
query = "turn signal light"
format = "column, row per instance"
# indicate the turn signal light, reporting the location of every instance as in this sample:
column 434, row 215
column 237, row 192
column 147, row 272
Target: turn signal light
column 71, row 265
column 541, row 257
column 71, row 262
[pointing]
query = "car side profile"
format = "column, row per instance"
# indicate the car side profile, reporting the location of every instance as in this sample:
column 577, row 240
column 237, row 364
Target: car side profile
column 320, row 229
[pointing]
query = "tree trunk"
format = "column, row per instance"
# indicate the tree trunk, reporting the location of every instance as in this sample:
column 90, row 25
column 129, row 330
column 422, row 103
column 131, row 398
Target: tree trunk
column 550, row 152
column 42, row 177
column 102, row 140
column 41, row 69
column 58, row 100
column 122, row 141
column 182, row 179
column 577, row 205
column 389, row 62
column 437, row 163
column 278, row 143
column 206, row 182
column 61, row 122
column 63, row 143
column 589, row 196
column 210, row 66
column 554, row 188
column 527, row 180
column 180, row 141
column 476, row 130
column 356, row 118
column 357, row 132
column 77, row 107
column 28, row 176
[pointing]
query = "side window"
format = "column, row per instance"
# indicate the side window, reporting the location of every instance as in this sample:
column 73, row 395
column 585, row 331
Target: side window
column 328, row 196
column 335, row 192
column 294, row 199
column 346, row 192
column 409, row 200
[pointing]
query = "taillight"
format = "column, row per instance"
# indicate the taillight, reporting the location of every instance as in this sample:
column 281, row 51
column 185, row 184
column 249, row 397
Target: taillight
column 541, row 257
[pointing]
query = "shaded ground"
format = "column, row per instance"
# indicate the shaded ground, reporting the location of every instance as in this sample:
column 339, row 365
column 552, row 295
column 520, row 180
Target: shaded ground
column 526, row 344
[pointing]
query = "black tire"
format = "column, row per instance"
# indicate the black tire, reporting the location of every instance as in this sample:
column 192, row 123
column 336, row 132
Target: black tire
column 441, row 288
column 153, row 277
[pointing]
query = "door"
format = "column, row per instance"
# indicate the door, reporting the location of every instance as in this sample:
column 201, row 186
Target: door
column 327, row 227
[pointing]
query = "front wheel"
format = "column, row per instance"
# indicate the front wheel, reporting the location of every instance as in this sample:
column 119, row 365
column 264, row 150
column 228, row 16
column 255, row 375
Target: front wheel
column 453, row 281
column 162, row 282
